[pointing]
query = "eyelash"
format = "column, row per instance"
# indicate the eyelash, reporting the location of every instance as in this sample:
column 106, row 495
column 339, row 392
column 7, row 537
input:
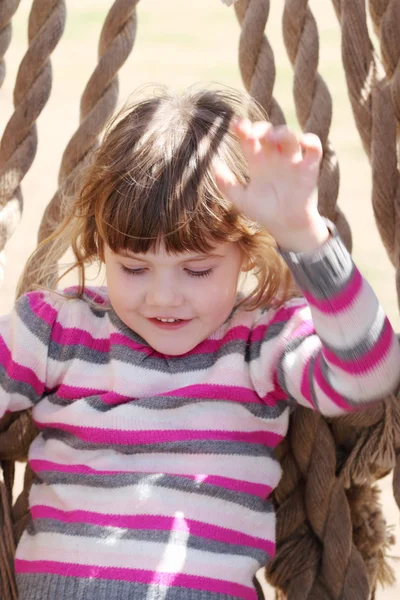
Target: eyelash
column 194, row 274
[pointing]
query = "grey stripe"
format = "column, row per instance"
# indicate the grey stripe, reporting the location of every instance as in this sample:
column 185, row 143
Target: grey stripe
column 153, row 481
column 164, row 364
column 324, row 272
column 272, row 331
column 145, row 535
column 326, row 372
column 370, row 339
column 64, row 353
column 39, row 328
column 54, row 587
column 10, row 386
column 160, row 403
column 181, row 447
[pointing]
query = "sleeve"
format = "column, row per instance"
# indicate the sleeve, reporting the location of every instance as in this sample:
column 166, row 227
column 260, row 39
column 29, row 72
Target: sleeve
column 335, row 350
column 25, row 335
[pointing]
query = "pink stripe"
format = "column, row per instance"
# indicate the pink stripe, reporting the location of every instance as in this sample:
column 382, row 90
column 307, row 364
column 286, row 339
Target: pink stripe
column 160, row 436
column 246, row 487
column 18, row 372
column 342, row 300
column 211, row 391
column 369, row 361
column 305, row 384
column 196, row 582
column 332, row 394
column 155, row 522
column 40, row 308
column 207, row 391
column 70, row 336
column 282, row 315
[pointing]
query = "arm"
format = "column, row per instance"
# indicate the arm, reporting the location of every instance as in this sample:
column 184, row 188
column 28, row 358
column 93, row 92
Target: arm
column 349, row 355
column 340, row 350
column 24, row 340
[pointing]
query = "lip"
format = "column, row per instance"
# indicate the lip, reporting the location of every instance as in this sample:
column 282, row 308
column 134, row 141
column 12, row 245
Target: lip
column 167, row 326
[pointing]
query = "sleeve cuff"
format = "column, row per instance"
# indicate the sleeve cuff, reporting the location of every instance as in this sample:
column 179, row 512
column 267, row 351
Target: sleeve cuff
column 323, row 271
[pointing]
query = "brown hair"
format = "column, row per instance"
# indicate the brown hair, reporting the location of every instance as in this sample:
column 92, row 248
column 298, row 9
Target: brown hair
column 151, row 181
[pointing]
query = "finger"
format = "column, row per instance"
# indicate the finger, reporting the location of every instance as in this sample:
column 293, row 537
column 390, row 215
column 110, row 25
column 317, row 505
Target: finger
column 312, row 149
column 281, row 139
column 228, row 184
column 243, row 128
column 249, row 135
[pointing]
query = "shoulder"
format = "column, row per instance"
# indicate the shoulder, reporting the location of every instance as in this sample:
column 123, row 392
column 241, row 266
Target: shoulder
column 50, row 306
column 269, row 314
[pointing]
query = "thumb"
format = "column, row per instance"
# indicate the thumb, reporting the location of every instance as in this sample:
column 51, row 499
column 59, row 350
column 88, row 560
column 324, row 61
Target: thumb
column 228, row 184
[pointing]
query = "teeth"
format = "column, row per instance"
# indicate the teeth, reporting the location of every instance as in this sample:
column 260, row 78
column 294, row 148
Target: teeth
column 167, row 320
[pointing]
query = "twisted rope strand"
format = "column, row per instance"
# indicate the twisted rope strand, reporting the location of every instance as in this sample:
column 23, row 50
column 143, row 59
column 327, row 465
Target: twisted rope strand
column 7, row 549
column 256, row 58
column 7, row 10
column 366, row 85
column 313, row 102
column 32, row 90
column 98, row 102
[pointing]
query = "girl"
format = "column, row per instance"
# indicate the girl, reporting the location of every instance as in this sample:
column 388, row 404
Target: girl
column 160, row 399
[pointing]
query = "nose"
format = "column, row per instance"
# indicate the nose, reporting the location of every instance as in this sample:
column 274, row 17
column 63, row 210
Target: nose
column 163, row 291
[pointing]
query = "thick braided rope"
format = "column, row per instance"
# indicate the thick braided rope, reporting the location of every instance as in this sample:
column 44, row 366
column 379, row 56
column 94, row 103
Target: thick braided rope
column 386, row 17
column 97, row 105
column 15, row 438
column 378, row 109
column 256, row 59
column 313, row 103
column 373, row 113
column 317, row 557
column 7, row 10
column 32, row 90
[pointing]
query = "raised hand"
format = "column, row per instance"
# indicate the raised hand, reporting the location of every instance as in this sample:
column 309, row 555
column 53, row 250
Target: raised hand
column 282, row 192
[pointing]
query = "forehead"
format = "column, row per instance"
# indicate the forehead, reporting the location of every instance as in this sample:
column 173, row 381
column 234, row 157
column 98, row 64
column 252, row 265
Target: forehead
column 220, row 250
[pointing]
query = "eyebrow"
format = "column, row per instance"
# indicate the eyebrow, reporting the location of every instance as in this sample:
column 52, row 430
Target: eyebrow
column 196, row 258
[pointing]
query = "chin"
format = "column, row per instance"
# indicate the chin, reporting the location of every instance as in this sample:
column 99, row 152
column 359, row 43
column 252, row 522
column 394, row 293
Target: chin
column 173, row 351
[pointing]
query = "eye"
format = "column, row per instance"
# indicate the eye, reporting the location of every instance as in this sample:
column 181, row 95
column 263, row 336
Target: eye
column 138, row 271
column 205, row 273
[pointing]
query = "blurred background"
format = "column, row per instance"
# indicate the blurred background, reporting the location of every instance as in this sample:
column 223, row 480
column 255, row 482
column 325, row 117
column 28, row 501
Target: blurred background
column 179, row 43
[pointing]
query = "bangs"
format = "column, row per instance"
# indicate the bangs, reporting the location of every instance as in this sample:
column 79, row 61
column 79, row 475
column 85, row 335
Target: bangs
column 191, row 221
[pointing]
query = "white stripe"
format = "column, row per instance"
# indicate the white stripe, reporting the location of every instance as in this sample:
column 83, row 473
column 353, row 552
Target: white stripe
column 364, row 387
column 205, row 416
column 136, row 554
column 254, row 469
column 348, row 327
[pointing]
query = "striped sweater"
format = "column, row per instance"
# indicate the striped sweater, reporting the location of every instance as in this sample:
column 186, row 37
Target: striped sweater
column 153, row 473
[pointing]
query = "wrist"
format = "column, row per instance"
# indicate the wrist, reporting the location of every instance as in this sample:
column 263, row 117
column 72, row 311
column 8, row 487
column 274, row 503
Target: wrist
column 310, row 237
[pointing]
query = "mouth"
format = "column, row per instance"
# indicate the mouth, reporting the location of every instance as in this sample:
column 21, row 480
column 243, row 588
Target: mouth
column 169, row 323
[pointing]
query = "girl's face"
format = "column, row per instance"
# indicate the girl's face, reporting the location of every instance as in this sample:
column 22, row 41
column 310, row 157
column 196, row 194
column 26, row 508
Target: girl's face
column 196, row 289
